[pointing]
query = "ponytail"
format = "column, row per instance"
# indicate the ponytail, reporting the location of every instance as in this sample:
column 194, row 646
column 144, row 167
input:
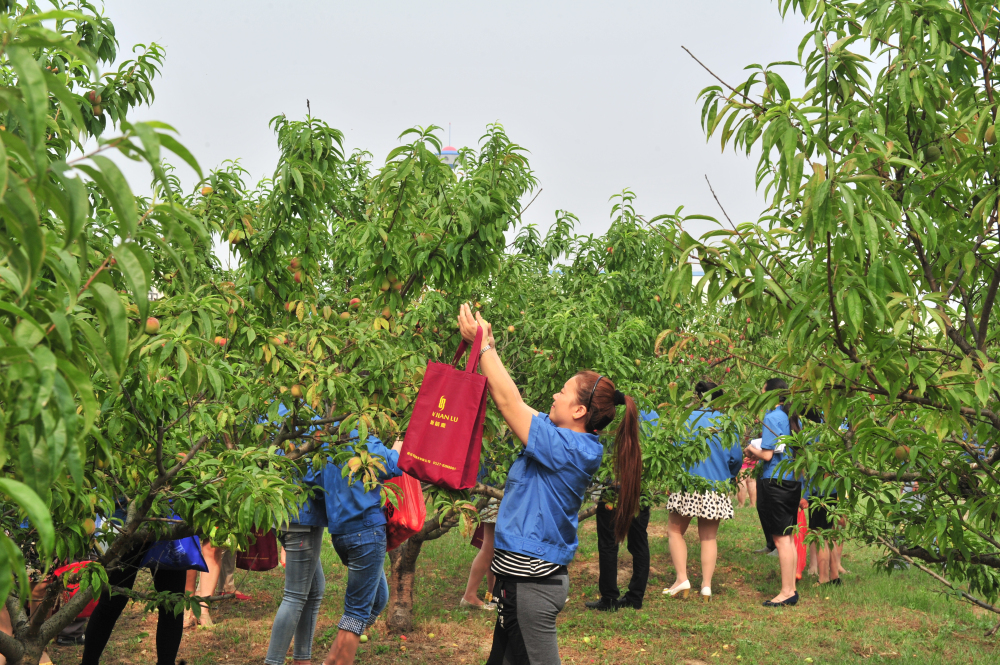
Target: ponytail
column 600, row 396
column 628, row 469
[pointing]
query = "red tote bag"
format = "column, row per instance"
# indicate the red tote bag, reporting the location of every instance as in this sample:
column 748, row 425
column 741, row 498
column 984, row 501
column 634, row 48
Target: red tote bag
column 445, row 437
column 261, row 555
column 408, row 518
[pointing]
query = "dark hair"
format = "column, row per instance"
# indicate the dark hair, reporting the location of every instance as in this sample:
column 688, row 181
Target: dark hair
column 703, row 387
column 775, row 383
column 599, row 395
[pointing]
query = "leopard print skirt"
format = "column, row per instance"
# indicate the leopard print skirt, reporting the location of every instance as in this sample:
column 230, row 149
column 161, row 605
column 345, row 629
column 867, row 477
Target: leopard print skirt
column 707, row 505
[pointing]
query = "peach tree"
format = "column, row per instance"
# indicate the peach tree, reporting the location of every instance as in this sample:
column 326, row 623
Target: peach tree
column 876, row 265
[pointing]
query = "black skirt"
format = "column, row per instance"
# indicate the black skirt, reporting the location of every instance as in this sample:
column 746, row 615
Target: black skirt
column 819, row 516
column 778, row 505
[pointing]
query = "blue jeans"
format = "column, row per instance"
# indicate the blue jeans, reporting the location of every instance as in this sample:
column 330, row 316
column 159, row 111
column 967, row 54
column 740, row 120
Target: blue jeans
column 304, row 587
column 367, row 589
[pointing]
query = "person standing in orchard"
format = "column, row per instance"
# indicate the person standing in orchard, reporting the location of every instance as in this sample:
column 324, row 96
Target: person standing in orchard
column 638, row 545
column 778, row 494
column 536, row 530
column 357, row 527
column 710, row 506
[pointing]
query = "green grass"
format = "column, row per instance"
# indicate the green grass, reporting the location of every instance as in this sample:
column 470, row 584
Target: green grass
column 873, row 618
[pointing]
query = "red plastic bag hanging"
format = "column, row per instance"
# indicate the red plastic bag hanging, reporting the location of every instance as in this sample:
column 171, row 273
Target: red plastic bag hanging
column 71, row 589
column 800, row 543
column 408, row 518
column 261, row 555
column 445, row 437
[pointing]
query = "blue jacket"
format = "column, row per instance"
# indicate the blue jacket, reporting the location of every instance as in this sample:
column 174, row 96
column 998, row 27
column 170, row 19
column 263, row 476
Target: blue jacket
column 349, row 508
column 544, row 492
column 776, row 425
column 310, row 514
column 722, row 463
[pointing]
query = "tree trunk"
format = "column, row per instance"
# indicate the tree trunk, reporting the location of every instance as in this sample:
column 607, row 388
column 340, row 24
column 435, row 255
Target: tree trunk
column 403, row 562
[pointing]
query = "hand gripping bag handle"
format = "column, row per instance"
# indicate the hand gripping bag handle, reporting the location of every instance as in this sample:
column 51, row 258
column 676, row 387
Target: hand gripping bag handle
column 473, row 354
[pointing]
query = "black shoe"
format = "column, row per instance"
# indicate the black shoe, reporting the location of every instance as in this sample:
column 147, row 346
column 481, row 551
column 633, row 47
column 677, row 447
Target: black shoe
column 603, row 605
column 623, row 603
column 835, row 582
column 788, row 601
column 64, row 641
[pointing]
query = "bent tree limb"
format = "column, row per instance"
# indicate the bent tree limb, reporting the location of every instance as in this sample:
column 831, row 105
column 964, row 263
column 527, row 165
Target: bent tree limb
column 965, row 596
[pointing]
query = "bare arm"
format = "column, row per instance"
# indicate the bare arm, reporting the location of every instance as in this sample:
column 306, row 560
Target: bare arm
column 765, row 455
column 502, row 388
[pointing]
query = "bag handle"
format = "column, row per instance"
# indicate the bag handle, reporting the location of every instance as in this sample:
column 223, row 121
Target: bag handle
column 473, row 362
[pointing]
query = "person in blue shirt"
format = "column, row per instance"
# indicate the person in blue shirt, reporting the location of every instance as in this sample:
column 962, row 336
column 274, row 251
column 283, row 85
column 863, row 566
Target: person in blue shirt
column 536, row 530
column 710, row 506
column 357, row 527
column 638, row 545
column 778, row 494
column 305, row 581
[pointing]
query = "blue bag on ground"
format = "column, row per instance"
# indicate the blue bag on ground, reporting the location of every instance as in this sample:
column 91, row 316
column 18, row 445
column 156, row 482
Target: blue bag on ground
column 182, row 554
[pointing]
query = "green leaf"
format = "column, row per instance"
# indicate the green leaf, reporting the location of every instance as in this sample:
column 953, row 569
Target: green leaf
column 116, row 323
column 136, row 267
column 38, row 513
column 116, row 189
column 174, row 146
column 855, row 313
column 35, row 96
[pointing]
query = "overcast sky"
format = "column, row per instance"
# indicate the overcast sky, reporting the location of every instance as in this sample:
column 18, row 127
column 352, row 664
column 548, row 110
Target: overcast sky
column 600, row 93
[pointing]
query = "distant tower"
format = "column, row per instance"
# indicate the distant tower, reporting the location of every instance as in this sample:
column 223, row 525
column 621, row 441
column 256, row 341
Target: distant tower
column 449, row 155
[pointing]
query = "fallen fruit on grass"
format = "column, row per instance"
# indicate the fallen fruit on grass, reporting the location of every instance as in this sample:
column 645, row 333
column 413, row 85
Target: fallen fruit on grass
column 364, row 638
column 152, row 325
column 402, row 637
column 586, row 640
column 902, row 453
column 430, row 635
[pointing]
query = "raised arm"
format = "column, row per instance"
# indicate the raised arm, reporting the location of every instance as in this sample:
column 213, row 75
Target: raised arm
column 502, row 389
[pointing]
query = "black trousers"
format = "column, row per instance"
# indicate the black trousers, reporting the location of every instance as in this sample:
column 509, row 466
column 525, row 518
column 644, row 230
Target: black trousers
column 607, row 549
column 169, row 626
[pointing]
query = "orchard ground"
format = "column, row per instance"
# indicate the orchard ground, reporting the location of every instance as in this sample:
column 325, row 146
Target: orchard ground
column 873, row 618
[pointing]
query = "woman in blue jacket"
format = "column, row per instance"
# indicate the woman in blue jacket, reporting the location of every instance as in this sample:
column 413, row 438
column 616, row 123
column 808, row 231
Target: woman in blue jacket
column 710, row 507
column 536, row 530
column 357, row 528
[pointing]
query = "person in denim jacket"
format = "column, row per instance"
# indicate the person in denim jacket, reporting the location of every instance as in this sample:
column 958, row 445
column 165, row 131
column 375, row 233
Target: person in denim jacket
column 357, row 527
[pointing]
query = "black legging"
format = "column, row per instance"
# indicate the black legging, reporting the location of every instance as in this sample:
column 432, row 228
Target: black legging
column 169, row 627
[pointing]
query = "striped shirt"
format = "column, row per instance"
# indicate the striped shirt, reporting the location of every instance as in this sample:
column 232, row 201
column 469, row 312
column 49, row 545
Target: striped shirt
column 514, row 564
